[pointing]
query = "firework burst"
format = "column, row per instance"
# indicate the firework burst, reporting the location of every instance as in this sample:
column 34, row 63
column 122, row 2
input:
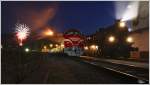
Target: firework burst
column 22, row 32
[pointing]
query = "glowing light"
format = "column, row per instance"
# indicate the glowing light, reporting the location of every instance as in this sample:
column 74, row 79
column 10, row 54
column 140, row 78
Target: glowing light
column 20, row 44
column 62, row 45
column 27, row 49
column 45, row 47
column 111, row 39
column 131, row 11
column 129, row 29
column 129, row 6
column 94, row 47
column 22, row 31
column 49, row 32
column 51, row 45
column 126, row 10
column 86, row 48
column 129, row 39
column 56, row 45
column 122, row 24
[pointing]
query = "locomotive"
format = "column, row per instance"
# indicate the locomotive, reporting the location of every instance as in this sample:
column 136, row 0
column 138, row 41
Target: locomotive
column 73, row 42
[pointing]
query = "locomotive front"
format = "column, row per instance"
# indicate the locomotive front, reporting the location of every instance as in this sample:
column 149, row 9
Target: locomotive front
column 73, row 43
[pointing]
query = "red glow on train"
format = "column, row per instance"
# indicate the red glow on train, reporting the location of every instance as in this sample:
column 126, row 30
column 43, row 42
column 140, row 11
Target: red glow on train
column 73, row 41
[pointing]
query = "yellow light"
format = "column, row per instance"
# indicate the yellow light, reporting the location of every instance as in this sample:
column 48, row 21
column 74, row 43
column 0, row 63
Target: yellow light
column 111, row 39
column 129, row 39
column 27, row 50
column 62, row 45
column 45, row 47
column 86, row 48
column 93, row 47
column 51, row 45
column 122, row 24
column 56, row 45
column 49, row 32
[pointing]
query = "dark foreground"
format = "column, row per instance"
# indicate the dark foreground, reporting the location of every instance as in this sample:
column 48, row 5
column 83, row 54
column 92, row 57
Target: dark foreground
column 44, row 68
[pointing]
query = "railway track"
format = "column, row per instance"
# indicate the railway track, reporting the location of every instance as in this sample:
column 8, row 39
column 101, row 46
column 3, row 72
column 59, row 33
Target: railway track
column 131, row 75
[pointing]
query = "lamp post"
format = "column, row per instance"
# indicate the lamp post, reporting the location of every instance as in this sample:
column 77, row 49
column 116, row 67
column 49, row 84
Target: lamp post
column 27, row 49
column 122, row 24
column 51, row 45
column 129, row 39
column 111, row 39
column 86, row 48
column 94, row 49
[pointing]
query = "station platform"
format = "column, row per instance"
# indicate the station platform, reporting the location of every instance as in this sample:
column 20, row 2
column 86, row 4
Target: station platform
column 144, row 65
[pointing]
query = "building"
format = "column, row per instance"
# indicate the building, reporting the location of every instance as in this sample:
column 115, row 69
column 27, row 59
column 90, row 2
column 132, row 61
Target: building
column 111, row 41
column 140, row 31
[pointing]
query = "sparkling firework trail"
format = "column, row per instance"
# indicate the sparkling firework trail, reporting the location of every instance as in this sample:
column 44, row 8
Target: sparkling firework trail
column 22, row 31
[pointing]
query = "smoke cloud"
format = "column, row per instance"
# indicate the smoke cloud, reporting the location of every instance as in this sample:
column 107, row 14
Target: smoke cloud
column 34, row 15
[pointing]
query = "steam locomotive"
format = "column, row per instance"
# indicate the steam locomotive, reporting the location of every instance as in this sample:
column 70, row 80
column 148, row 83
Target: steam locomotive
column 73, row 42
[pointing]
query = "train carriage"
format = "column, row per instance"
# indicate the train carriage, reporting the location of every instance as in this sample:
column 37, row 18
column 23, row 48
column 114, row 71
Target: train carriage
column 73, row 42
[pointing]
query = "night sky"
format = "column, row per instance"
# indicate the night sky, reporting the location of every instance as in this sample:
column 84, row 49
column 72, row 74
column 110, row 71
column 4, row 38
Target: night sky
column 85, row 16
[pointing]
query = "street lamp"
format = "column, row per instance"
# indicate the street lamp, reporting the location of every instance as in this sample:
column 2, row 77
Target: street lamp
column 129, row 39
column 122, row 24
column 111, row 39
column 27, row 49
column 62, row 45
column 86, row 48
column 56, row 45
column 45, row 47
column 51, row 45
column 94, row 47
